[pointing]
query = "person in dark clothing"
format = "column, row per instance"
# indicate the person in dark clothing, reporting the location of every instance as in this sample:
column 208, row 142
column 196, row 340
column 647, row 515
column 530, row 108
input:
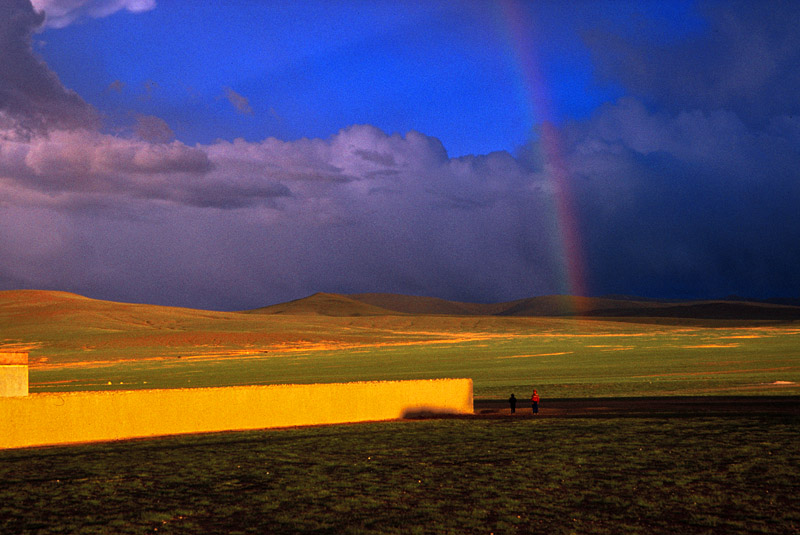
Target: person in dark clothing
column 513, row 402
column 535, row 402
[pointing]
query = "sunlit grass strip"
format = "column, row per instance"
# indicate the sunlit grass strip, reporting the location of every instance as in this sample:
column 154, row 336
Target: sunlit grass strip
column 597, row 359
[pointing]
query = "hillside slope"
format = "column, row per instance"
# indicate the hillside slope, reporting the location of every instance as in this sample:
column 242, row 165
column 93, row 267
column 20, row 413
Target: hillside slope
column 58, row 327
column 565, row 305
column 410, row 304
column 67, row 310
column 720, row 310
column 549, row 305
column 325, row 304
column 570, row 306
column 77, row 328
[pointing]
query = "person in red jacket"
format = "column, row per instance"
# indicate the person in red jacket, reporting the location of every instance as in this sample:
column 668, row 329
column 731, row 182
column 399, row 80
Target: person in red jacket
column 535, row 402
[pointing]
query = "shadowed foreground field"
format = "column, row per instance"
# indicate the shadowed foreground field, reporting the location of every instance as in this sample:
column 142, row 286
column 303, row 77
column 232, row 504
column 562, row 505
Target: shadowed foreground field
column 735, row 473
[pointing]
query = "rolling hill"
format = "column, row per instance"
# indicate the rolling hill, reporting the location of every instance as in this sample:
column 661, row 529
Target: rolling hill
column 325, row 304
column 409, row 304
column 78, row 343
column 67, row 309
column 714, row 310
column 607, row 308
column 550, row 305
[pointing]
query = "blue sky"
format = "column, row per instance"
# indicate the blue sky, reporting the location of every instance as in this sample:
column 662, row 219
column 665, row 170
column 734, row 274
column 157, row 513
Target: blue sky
column 309, row 69
column 231, row 155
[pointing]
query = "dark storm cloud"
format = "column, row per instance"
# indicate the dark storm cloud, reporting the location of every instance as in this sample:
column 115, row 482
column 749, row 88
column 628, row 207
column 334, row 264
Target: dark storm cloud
column 297, row 217
column 32, row 99
column 745, row 61
column 686, row 205
column 662, row 210
column 690, row 188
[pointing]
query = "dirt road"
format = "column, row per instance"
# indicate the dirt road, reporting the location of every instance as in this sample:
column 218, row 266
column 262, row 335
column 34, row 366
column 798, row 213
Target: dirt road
column 685, row 406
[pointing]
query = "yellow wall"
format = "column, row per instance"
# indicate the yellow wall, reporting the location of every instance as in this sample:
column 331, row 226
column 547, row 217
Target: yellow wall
column 13, row 381
column 71, row 417
column 13, row 374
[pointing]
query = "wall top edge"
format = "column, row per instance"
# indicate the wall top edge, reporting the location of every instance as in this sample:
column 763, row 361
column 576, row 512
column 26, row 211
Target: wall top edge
column 238, row 387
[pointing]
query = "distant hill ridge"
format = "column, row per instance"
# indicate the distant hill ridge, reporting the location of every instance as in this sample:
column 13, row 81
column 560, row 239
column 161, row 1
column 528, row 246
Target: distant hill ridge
column 324, row 304
column 606, row 307
column 373, row 304
column 48, row 303
column 550, row 305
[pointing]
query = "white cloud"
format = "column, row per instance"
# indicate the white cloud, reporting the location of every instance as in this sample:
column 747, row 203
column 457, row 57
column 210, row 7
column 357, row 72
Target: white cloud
column 61, row 13
column 240, row 102
column 152, row 128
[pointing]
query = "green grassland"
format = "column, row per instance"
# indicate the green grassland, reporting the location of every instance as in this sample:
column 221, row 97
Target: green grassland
column 82, row 344
column 562, row 365
column 642, row 473
column 678, row 474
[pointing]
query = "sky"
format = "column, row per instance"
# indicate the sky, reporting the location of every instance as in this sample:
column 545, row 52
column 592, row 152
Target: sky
column 231, row 155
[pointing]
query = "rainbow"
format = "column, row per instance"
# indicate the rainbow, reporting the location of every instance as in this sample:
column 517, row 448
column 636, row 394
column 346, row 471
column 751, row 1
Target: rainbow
column 519, row 28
